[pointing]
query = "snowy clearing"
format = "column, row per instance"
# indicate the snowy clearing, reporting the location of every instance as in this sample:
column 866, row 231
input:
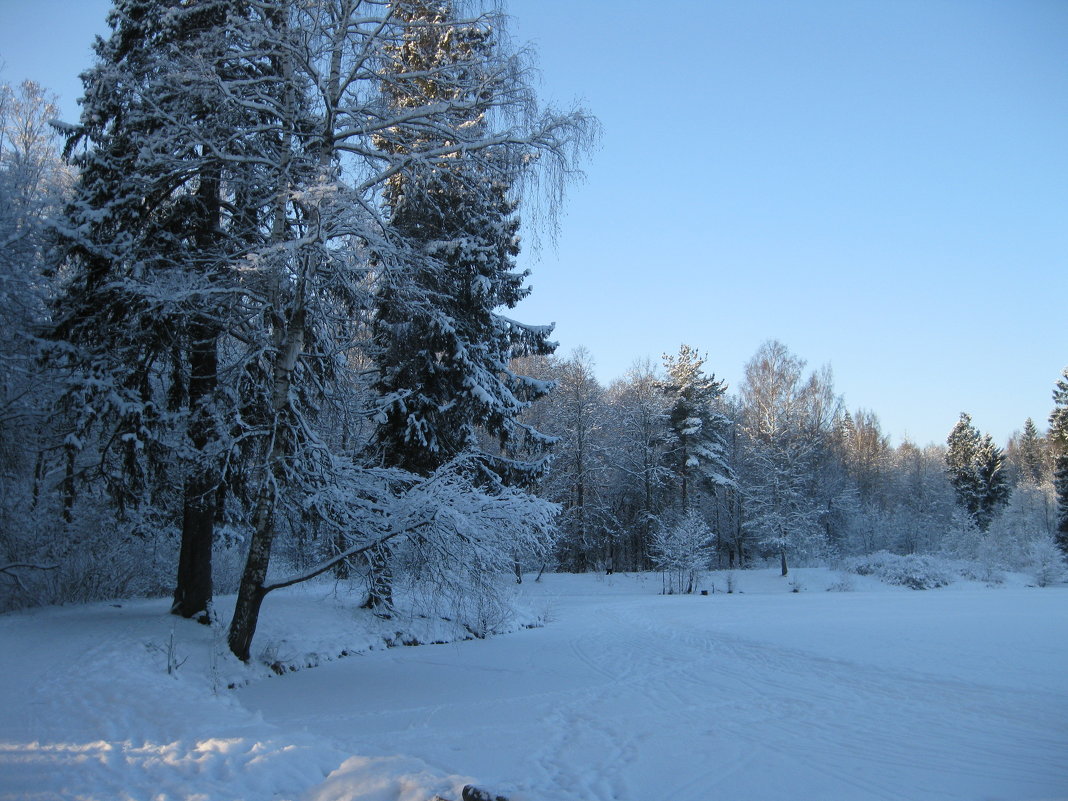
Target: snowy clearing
column 878, row 693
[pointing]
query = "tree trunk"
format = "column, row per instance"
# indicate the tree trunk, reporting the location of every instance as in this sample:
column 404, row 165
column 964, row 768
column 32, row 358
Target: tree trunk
column 782, row 559
column 251, row 593
column 193, row 588
column 380, row 581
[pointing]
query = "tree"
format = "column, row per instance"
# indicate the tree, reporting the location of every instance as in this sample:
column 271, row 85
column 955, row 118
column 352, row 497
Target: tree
column 1028, row 454
column 442, row 348
column 865, row 451
column 976, row 469
column 698, row 451
column 682, row 550
column 785, row 420
column 579, row 471
column 33, row 183
column 1058, row 435
column 164, row 215
column 436, row 261
column 642, row 476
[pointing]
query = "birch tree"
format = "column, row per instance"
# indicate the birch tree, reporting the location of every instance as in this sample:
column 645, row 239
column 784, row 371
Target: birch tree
column 340, row 231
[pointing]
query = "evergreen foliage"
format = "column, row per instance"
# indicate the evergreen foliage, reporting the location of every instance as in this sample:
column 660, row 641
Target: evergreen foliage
column 1058, row 435
column 1030, row 454
column 698, row 428
column 442, row 349
column 976, row 469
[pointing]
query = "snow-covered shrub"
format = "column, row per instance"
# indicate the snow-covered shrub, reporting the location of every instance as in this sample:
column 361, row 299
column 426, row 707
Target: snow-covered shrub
column 681, row 552
column 1047, row 563
column 918, row 572
column 843, row 584
column 982, row 571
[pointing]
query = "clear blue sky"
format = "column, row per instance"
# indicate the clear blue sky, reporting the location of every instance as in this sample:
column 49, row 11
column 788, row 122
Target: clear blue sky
column 880, row 185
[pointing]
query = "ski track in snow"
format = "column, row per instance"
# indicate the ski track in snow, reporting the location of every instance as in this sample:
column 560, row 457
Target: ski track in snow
column 654, row 701
column 625, row 696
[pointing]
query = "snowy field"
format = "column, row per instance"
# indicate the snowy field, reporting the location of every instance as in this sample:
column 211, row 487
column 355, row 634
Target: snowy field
column 875, row 693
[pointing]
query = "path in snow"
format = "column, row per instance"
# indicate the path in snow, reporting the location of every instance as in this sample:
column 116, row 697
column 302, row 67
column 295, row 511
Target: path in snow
column 892, row 695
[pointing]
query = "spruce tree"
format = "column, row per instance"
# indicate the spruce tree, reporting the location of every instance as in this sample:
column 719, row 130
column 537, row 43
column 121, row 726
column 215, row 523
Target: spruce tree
column 975, row 467
column 154, row 239
column 1029, row 454
column 442, row 351
column 1058, row 435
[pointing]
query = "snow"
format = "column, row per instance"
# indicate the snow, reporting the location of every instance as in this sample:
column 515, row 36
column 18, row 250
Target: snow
column 765, row 693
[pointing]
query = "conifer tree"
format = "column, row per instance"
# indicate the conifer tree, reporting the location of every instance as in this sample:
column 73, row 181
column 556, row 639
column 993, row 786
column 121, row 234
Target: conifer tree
column 1058, row 434
column 1029, row 454
column 976, row 469
column 154, row 238
column 698, row 451
column 442, row 350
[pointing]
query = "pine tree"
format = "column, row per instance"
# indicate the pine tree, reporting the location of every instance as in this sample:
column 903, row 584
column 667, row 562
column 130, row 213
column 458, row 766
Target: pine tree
column 699, row 427
column 1058, row 435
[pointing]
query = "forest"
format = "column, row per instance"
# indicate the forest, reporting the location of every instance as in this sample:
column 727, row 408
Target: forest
column 256, row 312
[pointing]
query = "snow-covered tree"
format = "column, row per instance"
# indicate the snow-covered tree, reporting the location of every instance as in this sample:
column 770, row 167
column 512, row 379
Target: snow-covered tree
column 1027, row 453
column 785, row 422
column 641, row 473
column 698, row 448
column 411, row 197
column 1058, row 435
column 33, row 182
column 441, row 346
column 681, row 550
column 170, row 153
column 976, row 469
column 578, row 478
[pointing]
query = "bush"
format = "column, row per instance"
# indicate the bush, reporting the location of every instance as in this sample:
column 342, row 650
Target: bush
column 844, row 584
column 1048, row 563
column 912, row 570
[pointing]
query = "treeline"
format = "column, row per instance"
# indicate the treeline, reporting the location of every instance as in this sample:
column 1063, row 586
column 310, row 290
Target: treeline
column 780, row 469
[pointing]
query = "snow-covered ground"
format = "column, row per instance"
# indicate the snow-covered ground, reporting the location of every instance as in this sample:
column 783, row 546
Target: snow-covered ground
column 877, row 693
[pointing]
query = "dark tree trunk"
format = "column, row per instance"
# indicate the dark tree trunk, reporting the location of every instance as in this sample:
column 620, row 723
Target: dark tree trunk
column 193, row 588
column 782, row 559
column 343, row 569
column 68, row 485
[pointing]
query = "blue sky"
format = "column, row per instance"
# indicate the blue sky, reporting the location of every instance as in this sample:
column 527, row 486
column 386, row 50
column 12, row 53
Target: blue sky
column 883, row 186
